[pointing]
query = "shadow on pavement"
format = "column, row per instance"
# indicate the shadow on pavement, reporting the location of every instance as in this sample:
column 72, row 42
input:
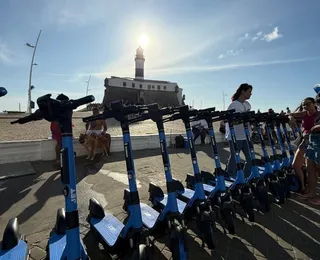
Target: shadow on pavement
column 17, row 189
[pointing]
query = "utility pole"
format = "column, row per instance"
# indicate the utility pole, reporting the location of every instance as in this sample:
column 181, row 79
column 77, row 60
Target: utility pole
column 29, row 109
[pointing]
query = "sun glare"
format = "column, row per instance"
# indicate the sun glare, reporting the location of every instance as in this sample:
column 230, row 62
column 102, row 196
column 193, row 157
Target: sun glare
column 143, row 40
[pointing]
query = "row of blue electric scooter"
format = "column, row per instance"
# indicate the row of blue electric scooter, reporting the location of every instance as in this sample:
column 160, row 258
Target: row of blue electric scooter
column 207, row 198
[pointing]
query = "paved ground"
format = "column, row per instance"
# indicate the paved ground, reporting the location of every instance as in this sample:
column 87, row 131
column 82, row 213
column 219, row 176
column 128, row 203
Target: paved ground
column 288, row 232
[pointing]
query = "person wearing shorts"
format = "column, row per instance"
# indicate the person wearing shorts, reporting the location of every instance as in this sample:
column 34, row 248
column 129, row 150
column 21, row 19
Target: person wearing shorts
column 97, row 127
column 308, row 116
column 313, row 161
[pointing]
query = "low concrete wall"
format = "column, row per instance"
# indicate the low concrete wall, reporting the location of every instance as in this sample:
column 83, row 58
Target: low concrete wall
column 44, row 150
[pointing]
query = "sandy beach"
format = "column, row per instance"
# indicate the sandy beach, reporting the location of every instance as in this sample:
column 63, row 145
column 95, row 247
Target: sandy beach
column 41, row 129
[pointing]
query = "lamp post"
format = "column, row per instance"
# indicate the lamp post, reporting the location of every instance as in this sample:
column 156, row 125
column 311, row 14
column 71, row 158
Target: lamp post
column 224, row 100
column 34, row 47
column 87, row 90
column 88, row 83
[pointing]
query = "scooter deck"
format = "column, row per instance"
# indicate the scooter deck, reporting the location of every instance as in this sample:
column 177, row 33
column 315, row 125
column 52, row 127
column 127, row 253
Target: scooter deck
column 181, row 205
column 57, row 246
column 109, row 228
column 187, row 193
column 208, row 188
column 149, row 215
column 19, row 252
column 228, row 183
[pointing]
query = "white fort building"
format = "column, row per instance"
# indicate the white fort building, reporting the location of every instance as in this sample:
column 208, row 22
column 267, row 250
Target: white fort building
column 139, row 90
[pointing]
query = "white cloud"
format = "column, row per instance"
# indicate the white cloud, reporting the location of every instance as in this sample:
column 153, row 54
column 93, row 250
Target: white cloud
column 176, row 70
column 230, row 53
column 257, row 36
column 245, row 37
column 273, row 35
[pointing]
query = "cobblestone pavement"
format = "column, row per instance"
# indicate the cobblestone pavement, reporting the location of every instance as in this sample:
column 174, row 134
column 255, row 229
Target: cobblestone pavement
column 290, row 231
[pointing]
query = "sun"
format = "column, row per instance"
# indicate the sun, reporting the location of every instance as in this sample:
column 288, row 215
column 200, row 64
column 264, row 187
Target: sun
column 143, row 40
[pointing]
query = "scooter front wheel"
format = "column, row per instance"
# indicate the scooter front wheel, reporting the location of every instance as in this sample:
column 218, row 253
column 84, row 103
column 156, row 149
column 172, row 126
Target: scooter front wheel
column 277, row 191
column 208, row 237
column 263, row 198
column 142, row 253
column 178, row 249
column 294, row 182
column 247, row 205
column 230, row 223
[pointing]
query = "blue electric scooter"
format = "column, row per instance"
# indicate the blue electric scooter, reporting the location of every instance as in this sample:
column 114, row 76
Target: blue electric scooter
column 265, row 164
column 241, row 189
column 220, row 197
column 13, row 245
column 170, row 207
column 112, row 233
column 256, row 182
column 294, row 181
column 64, row 241
column 280, row 163
column 198, row 205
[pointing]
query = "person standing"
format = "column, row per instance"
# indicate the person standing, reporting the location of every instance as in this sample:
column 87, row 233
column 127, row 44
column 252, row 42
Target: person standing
column 309, row 115
column 239, row 104
column 288, row 110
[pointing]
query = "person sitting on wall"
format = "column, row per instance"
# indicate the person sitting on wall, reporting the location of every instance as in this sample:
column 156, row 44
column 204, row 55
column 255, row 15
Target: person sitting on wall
column 97, row 127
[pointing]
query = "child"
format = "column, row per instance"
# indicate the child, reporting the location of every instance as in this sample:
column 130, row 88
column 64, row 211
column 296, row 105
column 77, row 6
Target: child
column 313, row 160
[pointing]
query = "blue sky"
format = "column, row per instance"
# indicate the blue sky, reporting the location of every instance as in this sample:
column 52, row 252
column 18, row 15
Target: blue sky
column 206, row 46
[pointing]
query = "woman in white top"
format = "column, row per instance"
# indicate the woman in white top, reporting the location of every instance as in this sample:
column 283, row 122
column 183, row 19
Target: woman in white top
column 240, row 104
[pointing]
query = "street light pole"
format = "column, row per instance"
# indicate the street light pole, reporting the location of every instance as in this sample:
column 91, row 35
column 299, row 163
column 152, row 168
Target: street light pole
column 29, row 110
column 224, row 100
column 88, row 83
column 87, row 90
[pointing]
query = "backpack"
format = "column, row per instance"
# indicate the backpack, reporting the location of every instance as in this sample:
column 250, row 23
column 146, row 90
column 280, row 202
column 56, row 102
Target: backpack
column 179, row 141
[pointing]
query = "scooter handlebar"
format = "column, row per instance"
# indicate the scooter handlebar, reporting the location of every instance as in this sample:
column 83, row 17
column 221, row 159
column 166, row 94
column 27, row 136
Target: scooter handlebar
column 37, row 115
column 116, row 109
column 3, row 91
column 81, row 101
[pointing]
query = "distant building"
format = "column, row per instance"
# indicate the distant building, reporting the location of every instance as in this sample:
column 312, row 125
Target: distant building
column 139, row 90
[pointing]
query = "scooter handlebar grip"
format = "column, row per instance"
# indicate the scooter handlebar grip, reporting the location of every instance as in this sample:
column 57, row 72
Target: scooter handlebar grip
column 82, row 101
column 37, row 115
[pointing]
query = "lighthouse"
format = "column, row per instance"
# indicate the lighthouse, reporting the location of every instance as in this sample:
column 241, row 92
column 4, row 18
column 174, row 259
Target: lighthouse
column 139, row 64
